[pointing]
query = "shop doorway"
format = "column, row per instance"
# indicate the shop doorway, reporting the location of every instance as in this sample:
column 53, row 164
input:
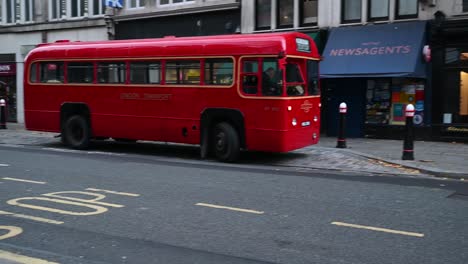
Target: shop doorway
column 352, row 92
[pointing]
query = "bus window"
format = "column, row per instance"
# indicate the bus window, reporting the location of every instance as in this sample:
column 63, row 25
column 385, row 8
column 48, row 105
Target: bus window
column 218, row 71
column 145, row 72
column 80, row 72
column 111, row 72
column 250, row 77
column 33, row 73
column 183, row 72
column 313, row 77
column 294, row 81
column 51, row 72
column 271, row 78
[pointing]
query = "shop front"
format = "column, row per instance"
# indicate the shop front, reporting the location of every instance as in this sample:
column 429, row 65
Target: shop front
column 8, row 88
column 377, row 70
column 450, row 60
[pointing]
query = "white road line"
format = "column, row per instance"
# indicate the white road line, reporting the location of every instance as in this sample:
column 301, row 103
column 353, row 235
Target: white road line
column 379, row 229
column 22, row 180
column 113, row 192
column 30, row 217
column 230, row 208
column 15, row 258
column 4, row 165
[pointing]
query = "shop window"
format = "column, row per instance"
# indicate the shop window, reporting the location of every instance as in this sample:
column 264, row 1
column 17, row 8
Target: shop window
column 51, row 72
column 285, row 13
column 463, row 93
column 218, row 71
column 407, row 9
column 263, row 14
column 465, row 6
column 111, row 72
column 183, row 72
column 309, row 12
column 351, row 11
column 378, row 9
column 171, row 2
column 80, row 72
column 250, row 77
column 145, row 72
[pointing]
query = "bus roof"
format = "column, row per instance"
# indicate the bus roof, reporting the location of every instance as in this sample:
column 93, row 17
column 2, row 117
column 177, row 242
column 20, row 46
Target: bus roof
column 221, row 45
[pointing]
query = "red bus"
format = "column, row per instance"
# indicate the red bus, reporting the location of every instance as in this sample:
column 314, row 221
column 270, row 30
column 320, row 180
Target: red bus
column 226, row 93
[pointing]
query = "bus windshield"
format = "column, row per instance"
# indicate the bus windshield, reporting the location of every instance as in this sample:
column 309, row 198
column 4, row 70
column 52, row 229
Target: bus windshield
column 295, row 85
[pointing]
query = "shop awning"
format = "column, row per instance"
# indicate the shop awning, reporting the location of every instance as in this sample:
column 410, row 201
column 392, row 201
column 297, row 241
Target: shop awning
column 390, row 50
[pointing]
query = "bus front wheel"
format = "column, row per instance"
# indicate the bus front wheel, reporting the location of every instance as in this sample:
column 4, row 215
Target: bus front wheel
column 76, row 132
column 226, row 143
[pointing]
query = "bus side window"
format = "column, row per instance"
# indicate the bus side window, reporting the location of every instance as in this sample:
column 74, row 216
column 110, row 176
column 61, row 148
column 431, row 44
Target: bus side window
column 33, row 73
column 51, row 72
column 250, row 77
column 219, row 71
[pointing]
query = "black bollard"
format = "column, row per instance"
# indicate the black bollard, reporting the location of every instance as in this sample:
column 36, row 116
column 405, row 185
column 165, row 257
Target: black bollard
column 2, row 114
column 341, row 141
column 408, row 146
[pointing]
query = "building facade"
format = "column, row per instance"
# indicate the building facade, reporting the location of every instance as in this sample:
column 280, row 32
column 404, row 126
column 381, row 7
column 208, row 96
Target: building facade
column 26, row 23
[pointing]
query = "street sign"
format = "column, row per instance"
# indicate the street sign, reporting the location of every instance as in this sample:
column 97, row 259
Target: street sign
column 114, row 3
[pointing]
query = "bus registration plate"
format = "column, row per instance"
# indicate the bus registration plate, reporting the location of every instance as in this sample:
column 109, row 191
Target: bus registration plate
column 306, row 123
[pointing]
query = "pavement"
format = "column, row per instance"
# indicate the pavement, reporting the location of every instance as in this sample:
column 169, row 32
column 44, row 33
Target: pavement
column 375, row 156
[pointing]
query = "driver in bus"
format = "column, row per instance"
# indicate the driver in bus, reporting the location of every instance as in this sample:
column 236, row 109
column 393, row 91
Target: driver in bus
column 269, row 86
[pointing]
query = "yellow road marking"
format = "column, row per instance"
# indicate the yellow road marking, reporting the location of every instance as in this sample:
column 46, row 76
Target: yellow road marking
column 5, row 255
column 92, row 201
column 98, row 209
column 379, row 229
column 22, row 180
column 113, row 192
column 12, row 231
column 230, row 208
column 30, row 217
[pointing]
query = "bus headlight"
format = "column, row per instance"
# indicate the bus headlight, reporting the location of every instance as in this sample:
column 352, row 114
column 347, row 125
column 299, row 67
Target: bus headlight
column 294, row 122
column 289, row 108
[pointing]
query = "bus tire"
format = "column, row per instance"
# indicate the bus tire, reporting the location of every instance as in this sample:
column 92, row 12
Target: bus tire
column 226, row 144
column 76, row 132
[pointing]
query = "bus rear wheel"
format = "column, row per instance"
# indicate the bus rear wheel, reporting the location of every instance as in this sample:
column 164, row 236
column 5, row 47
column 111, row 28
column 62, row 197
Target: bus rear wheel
column 76, row 132
column 226, row 143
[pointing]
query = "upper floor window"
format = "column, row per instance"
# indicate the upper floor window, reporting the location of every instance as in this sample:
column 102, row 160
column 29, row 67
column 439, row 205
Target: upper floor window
column 79, row 8
column 309, row 12
column 57, row 9
column 285, row 13
column 136, row 3
column 170, row 2
column 465, row 5
column 407, row 9
column 16, row 11
column 378, row 9
column 98, row 8
column 351, row 11
column 263, row 14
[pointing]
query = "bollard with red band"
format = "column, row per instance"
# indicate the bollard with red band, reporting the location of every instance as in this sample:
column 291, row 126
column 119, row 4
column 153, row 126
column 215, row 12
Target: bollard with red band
column 341, row 141
column 408, row 146
column 2, row 114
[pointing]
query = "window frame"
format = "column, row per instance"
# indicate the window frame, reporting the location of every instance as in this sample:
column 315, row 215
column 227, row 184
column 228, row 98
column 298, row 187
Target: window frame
column 369, row 12
column 302, row 15
column 16, row 12
column 397, row 6
column 278, row 10
column 343, row 12
column 171, row 3
column 257, row 16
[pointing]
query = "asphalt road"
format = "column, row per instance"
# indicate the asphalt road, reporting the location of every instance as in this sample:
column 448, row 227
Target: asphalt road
column 64, row 206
